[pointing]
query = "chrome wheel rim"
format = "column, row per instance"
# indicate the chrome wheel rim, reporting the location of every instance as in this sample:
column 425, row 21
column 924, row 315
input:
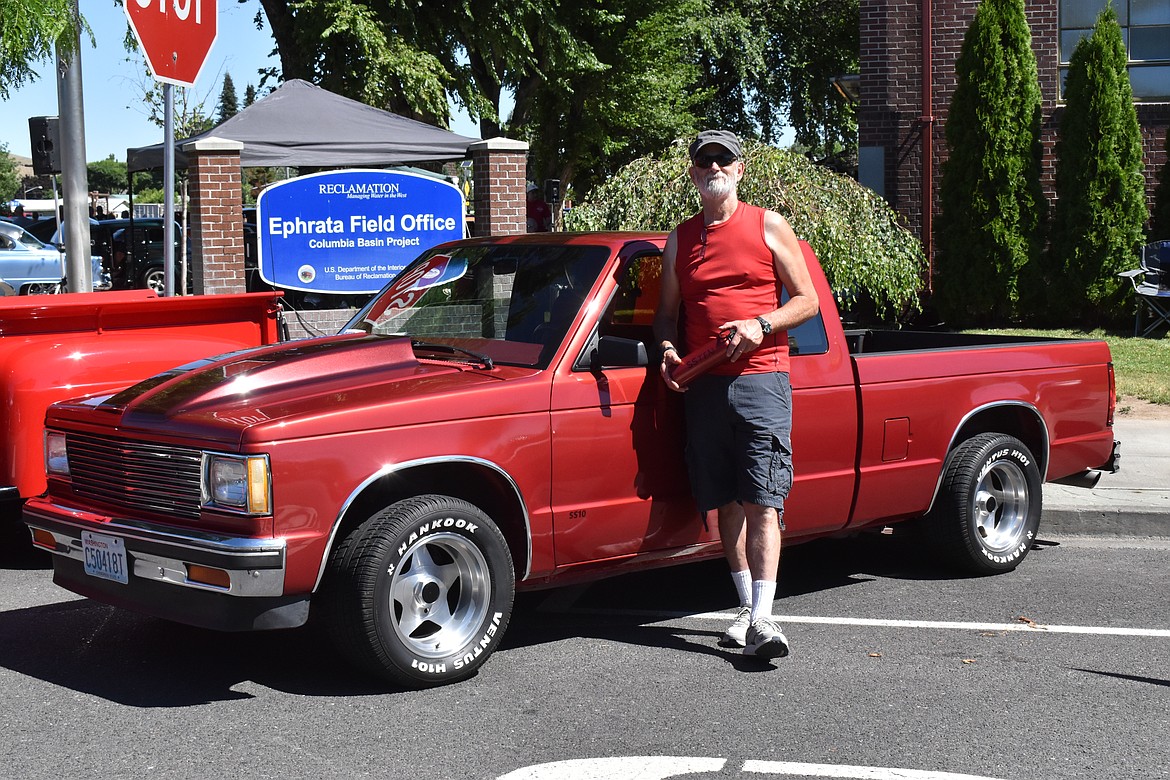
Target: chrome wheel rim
column 439, row 594
column 1001, row 506
column 154, row 281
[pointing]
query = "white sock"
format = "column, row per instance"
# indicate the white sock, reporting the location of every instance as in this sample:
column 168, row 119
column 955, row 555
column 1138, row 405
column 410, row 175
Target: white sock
column 763, row 594
column 743, row 586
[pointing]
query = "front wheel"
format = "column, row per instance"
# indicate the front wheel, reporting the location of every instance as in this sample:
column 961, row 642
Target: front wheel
column 421, row 593
column 987, row 513
column 42, row 289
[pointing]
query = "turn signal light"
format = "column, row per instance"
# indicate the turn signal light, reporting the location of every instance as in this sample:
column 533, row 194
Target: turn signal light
column 42, row 538
column 205, row 575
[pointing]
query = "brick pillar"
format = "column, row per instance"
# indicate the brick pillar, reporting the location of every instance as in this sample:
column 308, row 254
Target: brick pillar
column 217, row 221
column 499, row 165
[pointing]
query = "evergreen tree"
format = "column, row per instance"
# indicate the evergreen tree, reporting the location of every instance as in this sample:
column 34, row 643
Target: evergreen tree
column 228, row 105
column 249, row 95
column 1160, row 224
column 1100, row 189
column 992, row 206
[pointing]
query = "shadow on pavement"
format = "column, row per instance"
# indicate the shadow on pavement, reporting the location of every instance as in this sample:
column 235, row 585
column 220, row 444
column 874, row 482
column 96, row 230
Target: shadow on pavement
column 146, row 662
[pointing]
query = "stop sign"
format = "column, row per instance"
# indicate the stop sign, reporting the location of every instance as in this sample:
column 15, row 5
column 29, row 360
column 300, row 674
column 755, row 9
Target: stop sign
column 175, row 35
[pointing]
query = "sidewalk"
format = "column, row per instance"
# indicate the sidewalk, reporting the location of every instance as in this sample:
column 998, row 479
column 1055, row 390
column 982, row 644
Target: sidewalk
column 1133, row 502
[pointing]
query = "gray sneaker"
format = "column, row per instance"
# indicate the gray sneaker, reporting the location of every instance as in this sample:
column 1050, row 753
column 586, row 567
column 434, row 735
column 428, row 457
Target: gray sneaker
column 736, row 633
column 764, row 639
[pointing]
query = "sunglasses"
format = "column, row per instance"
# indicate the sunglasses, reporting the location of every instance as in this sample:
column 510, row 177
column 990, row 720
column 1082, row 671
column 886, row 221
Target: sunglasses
column 722, row 158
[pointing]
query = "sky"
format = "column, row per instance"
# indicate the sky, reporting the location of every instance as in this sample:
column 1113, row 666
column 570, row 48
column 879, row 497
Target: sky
column 115, row 117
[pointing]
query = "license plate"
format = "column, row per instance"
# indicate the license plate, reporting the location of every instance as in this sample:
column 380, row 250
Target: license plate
column 105, row 557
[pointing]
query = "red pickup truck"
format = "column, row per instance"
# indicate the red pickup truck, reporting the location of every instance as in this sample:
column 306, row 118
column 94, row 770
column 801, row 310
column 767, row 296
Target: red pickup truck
column 494, row 421
column 54, row 347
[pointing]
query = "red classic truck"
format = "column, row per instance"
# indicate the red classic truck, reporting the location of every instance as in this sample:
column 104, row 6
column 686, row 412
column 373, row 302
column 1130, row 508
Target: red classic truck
column 54, row 347
column 493, row 421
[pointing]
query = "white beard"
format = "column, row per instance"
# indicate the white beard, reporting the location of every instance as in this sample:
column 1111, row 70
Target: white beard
column 717, row 185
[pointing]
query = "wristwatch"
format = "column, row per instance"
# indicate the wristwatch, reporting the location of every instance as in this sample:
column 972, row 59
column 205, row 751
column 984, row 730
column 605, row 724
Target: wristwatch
column 764, row 325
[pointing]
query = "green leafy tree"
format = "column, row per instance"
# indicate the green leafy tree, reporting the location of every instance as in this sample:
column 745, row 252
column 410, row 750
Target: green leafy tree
column 769, row 66
column 1100, row 190
column 597, row 116
column 228, row 104
column 1160, row 221
column 594, row 85
column 190, row 110
column 864, row 250
column 9, row 175
column 31, row 32
column 992, row 207
column 364, row 50
column 107, row 175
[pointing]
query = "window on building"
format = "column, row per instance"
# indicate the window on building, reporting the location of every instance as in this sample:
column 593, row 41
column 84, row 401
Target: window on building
column 1145, row 28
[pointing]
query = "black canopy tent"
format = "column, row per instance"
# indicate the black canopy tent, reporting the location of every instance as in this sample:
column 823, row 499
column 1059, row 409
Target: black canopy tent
column 300, row 124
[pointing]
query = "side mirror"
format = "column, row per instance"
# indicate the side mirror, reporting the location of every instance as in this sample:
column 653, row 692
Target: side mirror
column 616, row 352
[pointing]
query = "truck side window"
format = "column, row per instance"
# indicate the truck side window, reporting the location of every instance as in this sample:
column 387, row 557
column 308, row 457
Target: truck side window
column 631, row 312
column 809, row 337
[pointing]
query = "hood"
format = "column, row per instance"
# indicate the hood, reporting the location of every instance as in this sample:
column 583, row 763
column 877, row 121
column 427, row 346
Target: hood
column 306, row 388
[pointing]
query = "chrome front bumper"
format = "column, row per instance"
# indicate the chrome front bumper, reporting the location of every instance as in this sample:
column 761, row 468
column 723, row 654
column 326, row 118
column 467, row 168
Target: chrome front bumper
column 255, row 567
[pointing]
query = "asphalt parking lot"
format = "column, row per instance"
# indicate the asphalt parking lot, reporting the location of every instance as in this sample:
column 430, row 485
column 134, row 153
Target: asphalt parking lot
column 899, row 670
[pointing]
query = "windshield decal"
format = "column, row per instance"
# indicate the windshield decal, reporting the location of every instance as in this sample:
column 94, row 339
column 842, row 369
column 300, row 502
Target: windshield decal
column 436, row 270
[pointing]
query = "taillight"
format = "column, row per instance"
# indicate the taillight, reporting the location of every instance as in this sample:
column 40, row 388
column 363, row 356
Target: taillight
column 1112, row 397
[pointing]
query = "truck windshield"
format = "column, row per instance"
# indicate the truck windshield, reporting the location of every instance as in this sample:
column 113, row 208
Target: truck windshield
column 511, row 302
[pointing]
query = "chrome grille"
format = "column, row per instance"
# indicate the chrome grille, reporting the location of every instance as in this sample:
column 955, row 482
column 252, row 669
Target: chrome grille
column 136, row 475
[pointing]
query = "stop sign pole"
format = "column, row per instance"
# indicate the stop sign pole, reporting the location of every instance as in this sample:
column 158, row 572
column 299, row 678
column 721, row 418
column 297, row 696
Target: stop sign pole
column 175, row 36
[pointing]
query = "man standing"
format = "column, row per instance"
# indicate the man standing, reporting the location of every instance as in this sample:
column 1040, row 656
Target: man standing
column 726, row 266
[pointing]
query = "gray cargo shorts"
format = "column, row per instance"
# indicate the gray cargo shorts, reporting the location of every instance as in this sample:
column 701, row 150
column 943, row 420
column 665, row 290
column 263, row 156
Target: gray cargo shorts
column 739, row 440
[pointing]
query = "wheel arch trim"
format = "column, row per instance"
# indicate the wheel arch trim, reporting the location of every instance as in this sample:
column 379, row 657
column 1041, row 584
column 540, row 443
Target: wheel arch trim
column 395, row 468
column 957, row 438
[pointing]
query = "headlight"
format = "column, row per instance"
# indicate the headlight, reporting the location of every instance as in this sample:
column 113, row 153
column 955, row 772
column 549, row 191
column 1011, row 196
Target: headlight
column 238, row 482
column 56, row 455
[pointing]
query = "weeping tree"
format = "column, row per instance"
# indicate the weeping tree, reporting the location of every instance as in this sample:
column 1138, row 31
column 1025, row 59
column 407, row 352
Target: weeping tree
column 992, row 206
column 1100, row 188
column 865, row 251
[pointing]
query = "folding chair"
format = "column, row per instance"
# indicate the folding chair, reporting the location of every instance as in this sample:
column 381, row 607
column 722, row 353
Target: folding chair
column 1153, row 290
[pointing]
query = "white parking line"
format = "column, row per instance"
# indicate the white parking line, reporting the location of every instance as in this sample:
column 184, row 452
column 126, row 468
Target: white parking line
column 662, row 767
column 858, row 772
column 1024, row 624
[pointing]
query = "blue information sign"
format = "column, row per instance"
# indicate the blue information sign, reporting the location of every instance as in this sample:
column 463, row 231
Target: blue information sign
column 351, row 230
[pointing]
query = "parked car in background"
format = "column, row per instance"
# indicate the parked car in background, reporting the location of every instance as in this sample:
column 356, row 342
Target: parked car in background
column 44, row 229
column 32, row 267
column 138, row 263
column 100, row 238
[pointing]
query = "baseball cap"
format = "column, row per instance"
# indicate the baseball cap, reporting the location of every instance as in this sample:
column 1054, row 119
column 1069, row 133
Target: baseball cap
column 532, row 188
column 724, row 138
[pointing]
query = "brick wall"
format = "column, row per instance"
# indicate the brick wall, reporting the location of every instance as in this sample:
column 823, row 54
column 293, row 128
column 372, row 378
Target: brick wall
column 891, row 93
column 217, row 224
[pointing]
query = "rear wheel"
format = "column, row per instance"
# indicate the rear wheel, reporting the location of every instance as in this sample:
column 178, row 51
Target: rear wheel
column 421, row 593
column 987, row 512
column 154, row 279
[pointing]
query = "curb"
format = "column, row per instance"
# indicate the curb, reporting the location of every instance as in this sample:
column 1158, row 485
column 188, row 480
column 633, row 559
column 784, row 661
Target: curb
column 1117, row 521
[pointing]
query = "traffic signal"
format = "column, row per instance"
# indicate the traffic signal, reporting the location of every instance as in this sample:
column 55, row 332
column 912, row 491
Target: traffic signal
column 552, row 190
column 46, row 144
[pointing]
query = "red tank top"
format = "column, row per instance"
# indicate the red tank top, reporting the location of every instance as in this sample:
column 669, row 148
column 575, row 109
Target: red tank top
column 726, row 272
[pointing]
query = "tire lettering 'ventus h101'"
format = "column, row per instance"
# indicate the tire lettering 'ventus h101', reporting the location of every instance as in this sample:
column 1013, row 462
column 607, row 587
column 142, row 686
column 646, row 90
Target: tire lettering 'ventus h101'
column 988, row 509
